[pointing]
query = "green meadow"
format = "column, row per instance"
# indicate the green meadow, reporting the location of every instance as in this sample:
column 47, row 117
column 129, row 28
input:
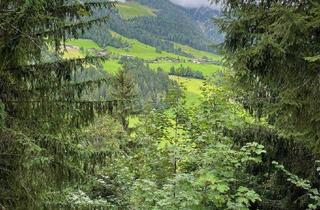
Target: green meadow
column 130, row 10
column 192, row 88
column 143, row 51
column 140, row 50
column 111, row 66
column 148, row 53
column 85, row 43
column 198, row 53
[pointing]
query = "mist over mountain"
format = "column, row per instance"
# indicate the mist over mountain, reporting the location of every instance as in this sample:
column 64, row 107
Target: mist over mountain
column 204, row 16
column 192, row 3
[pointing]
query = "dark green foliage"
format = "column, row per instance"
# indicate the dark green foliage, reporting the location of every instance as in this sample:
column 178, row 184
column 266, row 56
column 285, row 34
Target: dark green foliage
column 277, row 69
column 94, row 73
column 2, row 115
column 123, row 90
column 273, row 49
column 27, row 81
column 102, row 36
column 294, row 155
column 313, row 193
column 186, row 72
column 151, row 85
column 40, row 158
column 107, row 137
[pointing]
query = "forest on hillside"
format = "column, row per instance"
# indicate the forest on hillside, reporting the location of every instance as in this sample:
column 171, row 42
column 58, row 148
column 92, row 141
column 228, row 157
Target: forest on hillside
column 169, row 24
column 243, row 134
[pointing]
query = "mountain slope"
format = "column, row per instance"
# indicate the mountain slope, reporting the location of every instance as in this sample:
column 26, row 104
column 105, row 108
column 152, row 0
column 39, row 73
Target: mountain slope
column 204, row 17
column 173, row 23
column 133, row 9
column 156, row 23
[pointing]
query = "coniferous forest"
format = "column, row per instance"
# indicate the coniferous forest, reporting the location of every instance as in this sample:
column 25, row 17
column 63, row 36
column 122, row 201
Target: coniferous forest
column 149, row 104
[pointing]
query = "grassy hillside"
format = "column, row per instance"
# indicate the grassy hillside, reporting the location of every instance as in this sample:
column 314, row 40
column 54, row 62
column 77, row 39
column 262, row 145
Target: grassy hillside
column 148, row 53
column 112, row 66
column 197, row 53
column 192, row 88
column 74, row 46
column 133, row 9
column 140, row 50
column 143, row 51
column 85, row 43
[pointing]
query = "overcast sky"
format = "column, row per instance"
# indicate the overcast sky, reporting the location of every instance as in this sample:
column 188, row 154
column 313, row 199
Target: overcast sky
column 192, row 3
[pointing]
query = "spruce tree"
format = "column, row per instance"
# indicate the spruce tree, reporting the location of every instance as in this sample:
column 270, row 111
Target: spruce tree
column 125, row 94
column 41, row 104
column 273, row 48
